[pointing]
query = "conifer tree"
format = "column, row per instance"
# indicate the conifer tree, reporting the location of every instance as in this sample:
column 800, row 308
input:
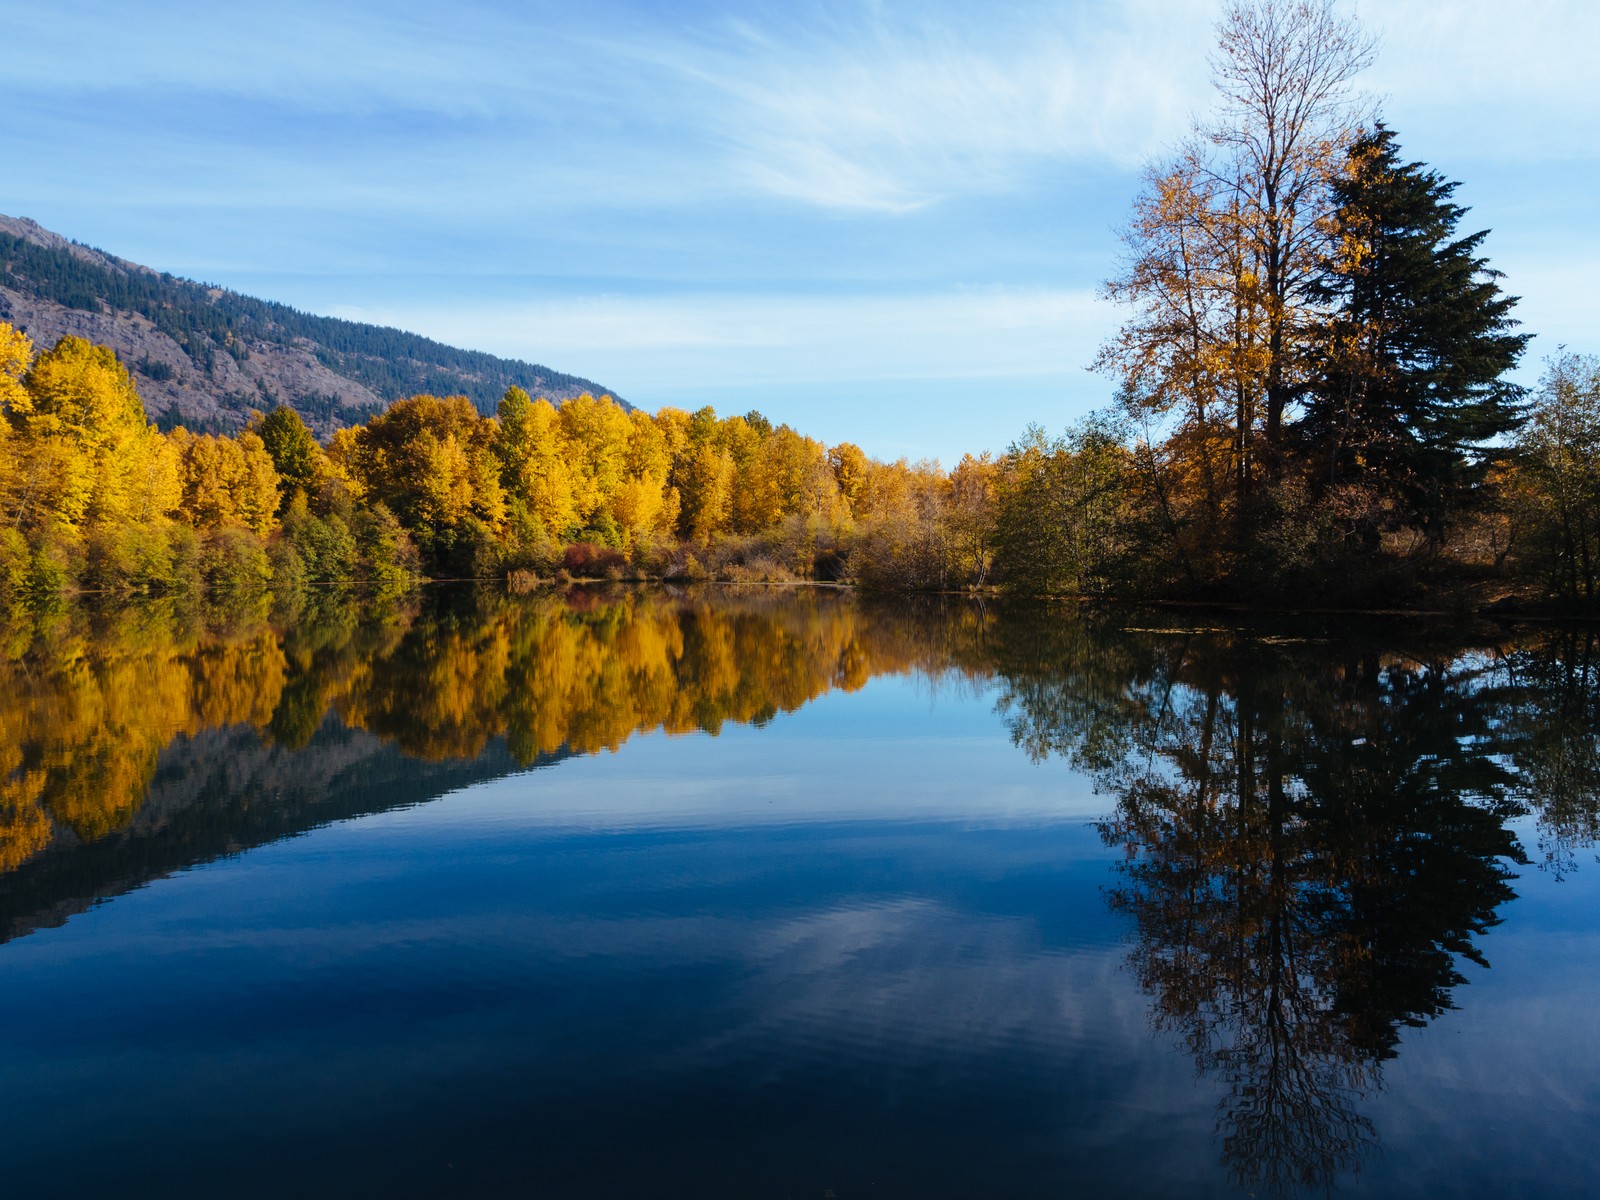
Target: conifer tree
column 294, row 451
column 1412, row 394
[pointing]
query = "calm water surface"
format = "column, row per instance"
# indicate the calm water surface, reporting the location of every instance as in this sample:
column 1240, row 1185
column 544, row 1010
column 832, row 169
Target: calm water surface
column 759, row 894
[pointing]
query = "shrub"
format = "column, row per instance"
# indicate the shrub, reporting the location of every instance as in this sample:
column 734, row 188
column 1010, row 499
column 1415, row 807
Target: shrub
column 587, row 560
column 234, row 560
column 389, row 559
column 54, row 566
column 901, row 554
column 325, row 547
column 602, row 531
column 527, row 546
column 684, row 567
column 654, row 561
column 288, row 567
column 120, row 558
column 519, row 582
column 16, row 562
column 183, row 561
column 757, row 570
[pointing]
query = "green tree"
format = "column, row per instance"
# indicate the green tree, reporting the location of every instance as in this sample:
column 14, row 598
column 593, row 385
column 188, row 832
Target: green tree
column 1413, row 394
column 294, row 452
column 1557, row 496
column 1060, row 509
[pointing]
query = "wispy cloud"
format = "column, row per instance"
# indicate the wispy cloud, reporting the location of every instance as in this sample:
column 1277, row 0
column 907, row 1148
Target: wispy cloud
column 868, row 108
column 974, row 333
column 852, row 105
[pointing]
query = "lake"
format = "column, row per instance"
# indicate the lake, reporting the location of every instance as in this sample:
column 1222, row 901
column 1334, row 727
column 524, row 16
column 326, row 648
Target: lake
column 793, row 893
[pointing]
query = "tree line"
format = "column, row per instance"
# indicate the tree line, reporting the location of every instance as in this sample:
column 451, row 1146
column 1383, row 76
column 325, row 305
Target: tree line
column 93, row 496
column 1312, row 369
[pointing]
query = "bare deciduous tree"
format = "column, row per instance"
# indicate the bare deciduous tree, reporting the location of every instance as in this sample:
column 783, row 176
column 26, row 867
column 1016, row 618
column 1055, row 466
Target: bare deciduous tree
column 1227, row 236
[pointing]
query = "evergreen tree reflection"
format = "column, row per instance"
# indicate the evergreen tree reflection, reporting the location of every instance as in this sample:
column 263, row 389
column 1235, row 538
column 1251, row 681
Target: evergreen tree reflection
column 1315, row 835
column 1313, row 841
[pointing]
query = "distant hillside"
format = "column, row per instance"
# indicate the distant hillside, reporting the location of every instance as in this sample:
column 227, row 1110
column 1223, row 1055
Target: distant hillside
column 223, row 791
column 205, row 356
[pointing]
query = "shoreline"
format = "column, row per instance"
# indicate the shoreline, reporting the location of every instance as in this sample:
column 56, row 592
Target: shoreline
column 1497, row 610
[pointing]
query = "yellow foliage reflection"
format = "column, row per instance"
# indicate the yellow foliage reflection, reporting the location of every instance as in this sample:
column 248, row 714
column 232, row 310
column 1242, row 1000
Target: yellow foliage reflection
column 88, row 702
column 84, row 715
column 584, row 673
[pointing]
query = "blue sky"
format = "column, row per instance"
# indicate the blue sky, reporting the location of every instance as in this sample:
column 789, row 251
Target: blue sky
column 881, row 222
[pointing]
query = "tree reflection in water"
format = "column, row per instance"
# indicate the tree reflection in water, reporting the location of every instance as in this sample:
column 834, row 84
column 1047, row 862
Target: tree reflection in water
column 1547, row 705
column 1314, row 837
column 1314, row 833
column 90, row 699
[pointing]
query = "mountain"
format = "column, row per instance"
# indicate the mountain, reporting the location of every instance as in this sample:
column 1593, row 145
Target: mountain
column 224, row 791
column 204, row 356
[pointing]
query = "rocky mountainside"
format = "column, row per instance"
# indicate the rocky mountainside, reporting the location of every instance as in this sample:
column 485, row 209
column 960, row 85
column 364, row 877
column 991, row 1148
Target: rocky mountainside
column 204, row 357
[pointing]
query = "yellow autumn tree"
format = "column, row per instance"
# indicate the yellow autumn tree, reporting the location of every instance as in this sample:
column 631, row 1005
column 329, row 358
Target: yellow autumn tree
column 227, row 481
column 705, row 487
column 1225, row 246
column 675, row 426
column 343, row 451
column 16, row 352
column 83, row 449
column 535, row 469
column 432, row 462
column 971, row 511
column 849, row 465
column 645, row 504
column 789, row 476
column 596, row 433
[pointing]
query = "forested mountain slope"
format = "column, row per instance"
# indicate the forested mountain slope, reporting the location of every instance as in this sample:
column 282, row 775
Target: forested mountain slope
column 205, row 356
column 223, row 791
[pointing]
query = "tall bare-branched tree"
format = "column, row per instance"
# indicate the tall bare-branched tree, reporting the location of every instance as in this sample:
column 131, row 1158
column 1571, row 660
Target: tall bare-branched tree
column 1225, row 244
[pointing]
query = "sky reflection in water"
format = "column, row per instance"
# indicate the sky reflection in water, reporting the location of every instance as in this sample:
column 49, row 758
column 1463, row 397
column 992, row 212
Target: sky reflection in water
column 869, row 943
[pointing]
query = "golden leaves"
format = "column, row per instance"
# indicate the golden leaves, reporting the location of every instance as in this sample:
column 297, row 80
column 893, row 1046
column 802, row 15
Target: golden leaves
column 16, row 352
column 227, row 481
column 83, row 720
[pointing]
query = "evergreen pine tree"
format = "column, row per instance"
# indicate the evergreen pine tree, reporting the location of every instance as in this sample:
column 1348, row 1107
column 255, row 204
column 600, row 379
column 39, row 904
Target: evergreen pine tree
column 294, row 451
column 1412, row 394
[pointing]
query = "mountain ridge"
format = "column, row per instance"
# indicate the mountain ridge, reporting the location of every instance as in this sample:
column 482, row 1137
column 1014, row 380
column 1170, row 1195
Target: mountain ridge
column 205, row 356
